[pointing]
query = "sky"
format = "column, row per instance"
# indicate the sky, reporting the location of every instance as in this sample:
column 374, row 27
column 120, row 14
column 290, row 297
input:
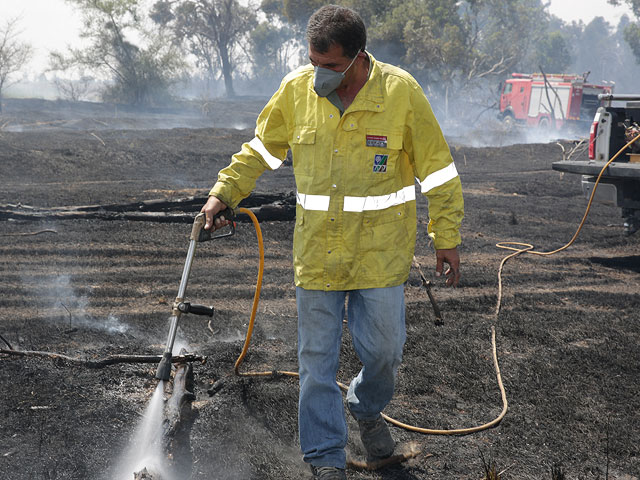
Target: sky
column 53, row 24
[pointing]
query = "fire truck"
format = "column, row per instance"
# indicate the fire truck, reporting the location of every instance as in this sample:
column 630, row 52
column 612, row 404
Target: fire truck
column 550, row 101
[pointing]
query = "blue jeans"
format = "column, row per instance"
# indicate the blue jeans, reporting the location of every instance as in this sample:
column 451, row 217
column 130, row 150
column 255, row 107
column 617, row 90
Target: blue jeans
column 376, row 323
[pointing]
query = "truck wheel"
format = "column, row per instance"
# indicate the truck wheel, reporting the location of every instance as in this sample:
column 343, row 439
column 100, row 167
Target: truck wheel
column 543, row 124
column 631, row 220
column 508, row 122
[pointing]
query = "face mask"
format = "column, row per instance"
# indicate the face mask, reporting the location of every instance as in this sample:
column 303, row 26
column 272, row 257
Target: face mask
column 326, row 81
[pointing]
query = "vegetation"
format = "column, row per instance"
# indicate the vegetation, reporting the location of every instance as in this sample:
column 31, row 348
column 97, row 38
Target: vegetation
column 211, row 30
column 13, row 53
column 632, row 30
column 140, row 64
column 467, row 47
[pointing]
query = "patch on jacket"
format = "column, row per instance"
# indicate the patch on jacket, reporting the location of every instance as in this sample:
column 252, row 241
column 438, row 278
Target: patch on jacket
column 379, row 141
column 380, row 163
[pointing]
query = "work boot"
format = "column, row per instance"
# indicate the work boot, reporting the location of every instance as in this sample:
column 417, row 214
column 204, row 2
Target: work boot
column 376, row 438
column 328, row 473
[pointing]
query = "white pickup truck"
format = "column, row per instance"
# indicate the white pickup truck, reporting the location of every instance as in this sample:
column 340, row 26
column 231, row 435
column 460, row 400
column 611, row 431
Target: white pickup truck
column 612, row 128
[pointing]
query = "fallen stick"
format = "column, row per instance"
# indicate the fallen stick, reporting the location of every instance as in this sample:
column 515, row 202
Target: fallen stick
column 101, row 141
column 24, row 234
column 106, row 361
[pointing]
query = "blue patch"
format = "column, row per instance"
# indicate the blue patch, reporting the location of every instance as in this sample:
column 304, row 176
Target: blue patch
column 380, row 163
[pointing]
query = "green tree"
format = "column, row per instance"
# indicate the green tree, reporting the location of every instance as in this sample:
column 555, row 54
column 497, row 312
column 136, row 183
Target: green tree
column 632, row 37
column 461, row 46
column 295, row 14
column 634, row 5
column 553, row 53
column 299, row 11
column 594, row 50
column 272, row 47
column 632, row 30
column 14, row 54
column 626, row 71
column 213, row 30
column 140, row 64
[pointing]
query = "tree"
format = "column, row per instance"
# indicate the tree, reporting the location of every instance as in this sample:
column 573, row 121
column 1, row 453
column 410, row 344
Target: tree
column 73, row 89
column 632, row 37
column 214, row 31
column 141, row 71
column 272, row 47
column 553, row 53
column 634, row 5
column 626, row 71
column 13, row 54
column 632, row 30
column 463, row 45
column 299, row 11
column 435, row 39
column 594, row 50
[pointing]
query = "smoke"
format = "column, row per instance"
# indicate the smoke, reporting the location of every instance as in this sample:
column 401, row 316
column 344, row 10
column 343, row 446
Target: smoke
column 241, row 126
column 491, row 133
column 71, row 308
column 180, row 343
column 114, row 325
column 236, row 336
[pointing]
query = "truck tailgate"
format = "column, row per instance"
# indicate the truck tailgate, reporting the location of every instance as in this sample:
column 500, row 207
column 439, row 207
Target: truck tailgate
column 587, row 167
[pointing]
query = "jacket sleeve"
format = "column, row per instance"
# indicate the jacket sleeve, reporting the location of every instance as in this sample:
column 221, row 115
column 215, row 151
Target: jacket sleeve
column 435, row 171
column 266, row 151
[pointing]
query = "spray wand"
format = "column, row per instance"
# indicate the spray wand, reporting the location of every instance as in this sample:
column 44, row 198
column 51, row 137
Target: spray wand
column 198, row 234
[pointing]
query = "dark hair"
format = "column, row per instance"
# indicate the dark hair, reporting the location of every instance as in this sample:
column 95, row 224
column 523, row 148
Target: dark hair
column 333, row 24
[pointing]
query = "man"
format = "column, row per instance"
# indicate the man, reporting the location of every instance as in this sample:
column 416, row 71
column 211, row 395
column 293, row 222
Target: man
column 360, row 132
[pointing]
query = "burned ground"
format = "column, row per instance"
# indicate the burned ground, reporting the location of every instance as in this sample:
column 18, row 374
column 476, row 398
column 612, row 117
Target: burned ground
column 567, row 333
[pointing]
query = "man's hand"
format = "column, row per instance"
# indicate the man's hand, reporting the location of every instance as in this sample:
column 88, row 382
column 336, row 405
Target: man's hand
column 213, row 206
column 449, row 256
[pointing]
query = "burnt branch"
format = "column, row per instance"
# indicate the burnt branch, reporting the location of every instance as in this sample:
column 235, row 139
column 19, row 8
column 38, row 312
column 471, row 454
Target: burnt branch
column 103, row 362
column 265, row 206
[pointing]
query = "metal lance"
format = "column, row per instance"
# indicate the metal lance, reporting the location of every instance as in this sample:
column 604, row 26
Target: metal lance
column 198, row 234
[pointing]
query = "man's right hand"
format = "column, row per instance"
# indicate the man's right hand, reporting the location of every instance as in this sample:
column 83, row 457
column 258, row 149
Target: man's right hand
column 210, row 209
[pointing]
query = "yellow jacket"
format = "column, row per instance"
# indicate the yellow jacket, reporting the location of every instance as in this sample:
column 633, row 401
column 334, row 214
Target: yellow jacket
column 355, row 176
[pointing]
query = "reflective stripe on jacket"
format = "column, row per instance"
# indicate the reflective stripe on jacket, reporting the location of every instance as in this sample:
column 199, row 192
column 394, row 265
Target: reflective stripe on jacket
column 355, row 175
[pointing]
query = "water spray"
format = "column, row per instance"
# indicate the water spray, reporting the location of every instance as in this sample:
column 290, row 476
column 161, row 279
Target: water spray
column 198, row 235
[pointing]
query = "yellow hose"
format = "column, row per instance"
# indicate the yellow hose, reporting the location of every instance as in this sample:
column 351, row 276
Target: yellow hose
column 254, row 310
column 247, row 341
column 529, row 248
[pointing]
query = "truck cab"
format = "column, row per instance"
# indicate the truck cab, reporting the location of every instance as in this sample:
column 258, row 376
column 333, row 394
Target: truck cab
column 514, row 99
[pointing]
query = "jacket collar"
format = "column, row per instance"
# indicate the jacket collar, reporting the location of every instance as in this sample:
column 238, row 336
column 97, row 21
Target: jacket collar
column 370, row 97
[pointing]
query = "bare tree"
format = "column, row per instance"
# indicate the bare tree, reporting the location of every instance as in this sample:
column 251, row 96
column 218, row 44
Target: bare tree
column 13, row 54
column 74, row 89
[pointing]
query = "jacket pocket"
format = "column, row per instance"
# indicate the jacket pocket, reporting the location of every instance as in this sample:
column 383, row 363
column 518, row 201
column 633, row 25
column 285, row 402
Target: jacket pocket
column 381, row 154
column 303, row 150
column 385, row 231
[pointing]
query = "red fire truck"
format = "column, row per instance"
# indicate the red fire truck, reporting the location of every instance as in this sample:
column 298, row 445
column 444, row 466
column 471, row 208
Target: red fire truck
column 555, row 102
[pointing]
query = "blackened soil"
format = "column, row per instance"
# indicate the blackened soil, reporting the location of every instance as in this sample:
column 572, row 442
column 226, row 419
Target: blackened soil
column 567, row 333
